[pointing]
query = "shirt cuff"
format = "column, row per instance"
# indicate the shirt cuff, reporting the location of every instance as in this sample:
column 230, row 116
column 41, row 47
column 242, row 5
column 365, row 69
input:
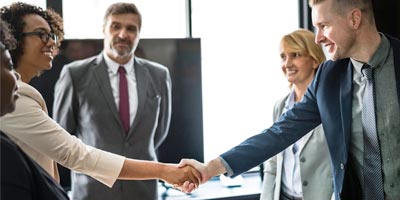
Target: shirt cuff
column 229, row 171
column 108, row 168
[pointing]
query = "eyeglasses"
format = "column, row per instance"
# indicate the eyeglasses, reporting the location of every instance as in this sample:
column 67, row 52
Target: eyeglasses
column 45, row 37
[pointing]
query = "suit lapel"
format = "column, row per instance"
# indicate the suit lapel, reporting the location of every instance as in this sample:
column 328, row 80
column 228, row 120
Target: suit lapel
column 395, row 43
column 305, row 140
column 279, row 168
column 346, row 100
column 142, row 75
column 101, row 76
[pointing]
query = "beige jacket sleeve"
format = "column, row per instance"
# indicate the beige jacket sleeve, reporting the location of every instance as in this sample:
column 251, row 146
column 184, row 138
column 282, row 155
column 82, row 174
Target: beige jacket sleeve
column 44, row 140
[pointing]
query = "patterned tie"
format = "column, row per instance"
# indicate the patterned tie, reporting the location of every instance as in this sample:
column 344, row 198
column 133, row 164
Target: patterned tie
column 372, row 169
column 123, row 99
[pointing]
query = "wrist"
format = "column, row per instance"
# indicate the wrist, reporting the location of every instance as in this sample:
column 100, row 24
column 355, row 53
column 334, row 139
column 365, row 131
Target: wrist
column 215, row 168
column 163, row 171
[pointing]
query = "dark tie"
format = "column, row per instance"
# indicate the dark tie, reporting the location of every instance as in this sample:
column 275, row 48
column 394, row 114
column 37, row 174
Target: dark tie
column 123, row 99
column 372, row 169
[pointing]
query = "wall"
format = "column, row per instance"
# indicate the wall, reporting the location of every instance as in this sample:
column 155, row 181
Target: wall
column 387, row 16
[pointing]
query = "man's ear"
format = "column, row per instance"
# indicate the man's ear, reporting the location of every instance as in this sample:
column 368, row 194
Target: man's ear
column 355, row 18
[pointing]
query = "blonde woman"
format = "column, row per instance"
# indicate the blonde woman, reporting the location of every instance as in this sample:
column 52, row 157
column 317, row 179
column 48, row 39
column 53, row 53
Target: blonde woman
column 301, row 171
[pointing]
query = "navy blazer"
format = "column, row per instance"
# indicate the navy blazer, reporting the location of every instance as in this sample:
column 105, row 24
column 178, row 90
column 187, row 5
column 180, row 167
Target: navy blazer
column 23, row 178
column 328, row 100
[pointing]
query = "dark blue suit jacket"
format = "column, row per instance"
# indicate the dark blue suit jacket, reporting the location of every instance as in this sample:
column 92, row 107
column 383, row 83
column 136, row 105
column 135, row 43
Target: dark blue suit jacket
column 22, row 178
column 328, row 100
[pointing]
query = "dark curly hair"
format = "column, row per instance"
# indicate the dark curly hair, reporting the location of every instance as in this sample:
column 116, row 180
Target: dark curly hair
column 14, row 14
column 7, row 40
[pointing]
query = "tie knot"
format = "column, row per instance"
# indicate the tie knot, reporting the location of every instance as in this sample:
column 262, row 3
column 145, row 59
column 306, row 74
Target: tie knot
column 367, row 71
column 121, row 70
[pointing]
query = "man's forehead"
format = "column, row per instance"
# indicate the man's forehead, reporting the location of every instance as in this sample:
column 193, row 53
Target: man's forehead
column 319, row 15
column 124, row 18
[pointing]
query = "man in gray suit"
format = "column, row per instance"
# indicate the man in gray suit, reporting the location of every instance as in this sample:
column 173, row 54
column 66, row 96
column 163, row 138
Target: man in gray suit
column 116, row 102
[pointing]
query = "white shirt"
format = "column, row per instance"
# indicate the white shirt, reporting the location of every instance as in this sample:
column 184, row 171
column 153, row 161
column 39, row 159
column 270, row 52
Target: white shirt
column 45, row 141
column 291, row 179
column 132, row 87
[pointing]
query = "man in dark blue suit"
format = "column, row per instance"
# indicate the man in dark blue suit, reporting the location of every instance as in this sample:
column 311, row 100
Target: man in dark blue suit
column 347, row 29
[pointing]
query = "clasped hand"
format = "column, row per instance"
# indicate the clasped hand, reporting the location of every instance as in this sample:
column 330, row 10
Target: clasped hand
column 189, row 174
column 184, row 178
column 199, row 172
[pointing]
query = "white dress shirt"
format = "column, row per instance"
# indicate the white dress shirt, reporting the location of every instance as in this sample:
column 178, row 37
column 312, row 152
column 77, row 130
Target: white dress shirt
column 291, row 179
column 45, row 141
column 132, row 88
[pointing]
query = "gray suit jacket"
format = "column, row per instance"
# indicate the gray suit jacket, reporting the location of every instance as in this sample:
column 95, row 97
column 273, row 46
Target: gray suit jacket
column 84, row 105
column 315, row 168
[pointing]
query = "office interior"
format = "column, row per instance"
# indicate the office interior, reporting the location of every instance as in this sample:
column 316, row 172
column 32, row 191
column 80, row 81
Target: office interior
column 212, row 89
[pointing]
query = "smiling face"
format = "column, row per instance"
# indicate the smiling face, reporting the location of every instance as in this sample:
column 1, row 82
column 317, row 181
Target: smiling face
column 333, row 30
column 300, row 58
column 8, row 83
column 121, row 33
column 37, row 55
column 298, row 68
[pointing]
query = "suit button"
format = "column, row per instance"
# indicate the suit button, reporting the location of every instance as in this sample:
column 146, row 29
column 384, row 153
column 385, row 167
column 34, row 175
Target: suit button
column 302, row 159
column 127, row 144
column 305, row 183
column 341, row 166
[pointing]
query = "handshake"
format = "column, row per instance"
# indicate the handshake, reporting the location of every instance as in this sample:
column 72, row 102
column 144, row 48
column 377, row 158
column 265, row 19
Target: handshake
column 189, row 173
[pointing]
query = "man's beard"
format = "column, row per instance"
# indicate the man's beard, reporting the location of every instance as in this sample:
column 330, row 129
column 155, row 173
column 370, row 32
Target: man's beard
column 122, row 53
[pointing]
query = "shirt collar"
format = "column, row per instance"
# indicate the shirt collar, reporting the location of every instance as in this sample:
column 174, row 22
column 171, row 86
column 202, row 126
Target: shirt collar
column 290, row 101
column 379, row 58
column 381, row 55
column 113, row 66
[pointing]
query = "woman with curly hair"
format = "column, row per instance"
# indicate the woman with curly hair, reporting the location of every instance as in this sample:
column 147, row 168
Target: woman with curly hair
column 21, row 177
column 38, row 33
column 20, row 16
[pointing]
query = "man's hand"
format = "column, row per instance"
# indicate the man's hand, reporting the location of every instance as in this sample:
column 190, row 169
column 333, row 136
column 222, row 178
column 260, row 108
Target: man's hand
column 202, row 168
column 179, row 176
column 207, row 171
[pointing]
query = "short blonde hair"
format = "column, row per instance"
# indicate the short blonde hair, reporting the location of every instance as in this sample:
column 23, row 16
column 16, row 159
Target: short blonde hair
column 341, row 6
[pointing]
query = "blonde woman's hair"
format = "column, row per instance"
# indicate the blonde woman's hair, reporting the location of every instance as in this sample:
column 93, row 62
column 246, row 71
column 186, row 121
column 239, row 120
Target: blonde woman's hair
column 302, row 41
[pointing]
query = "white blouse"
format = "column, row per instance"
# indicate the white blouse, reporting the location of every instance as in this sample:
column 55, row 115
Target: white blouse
column 45, row 141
